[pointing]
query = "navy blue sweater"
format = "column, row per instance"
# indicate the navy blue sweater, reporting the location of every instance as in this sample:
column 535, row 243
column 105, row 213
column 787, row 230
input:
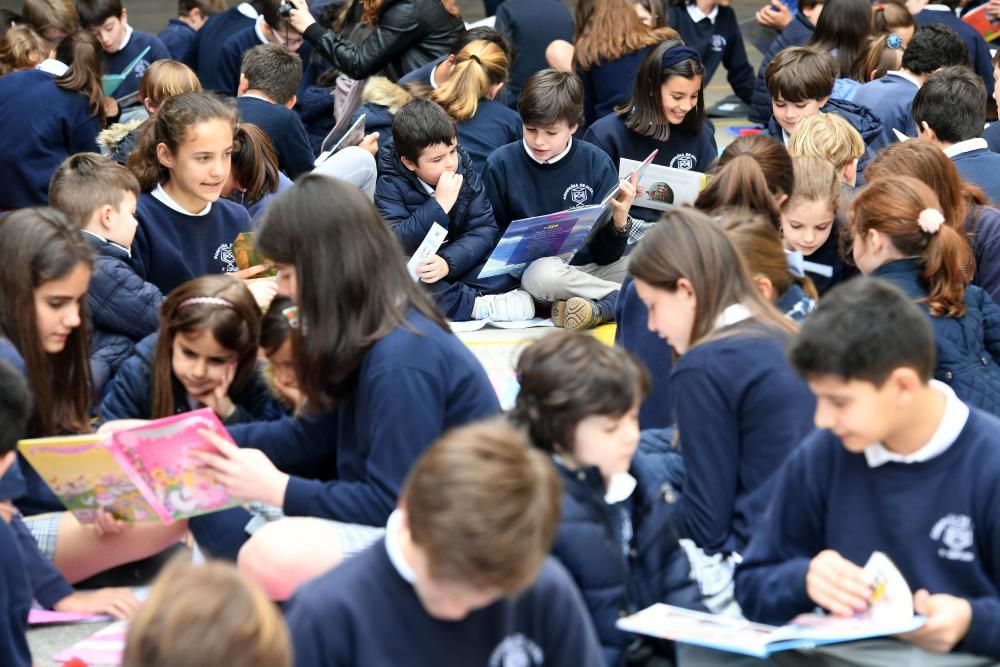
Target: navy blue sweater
column 115, row 63
column 633, row 334
column 936, row 519
column 207, row 47
column 519, row 187
column 718, row 43
column 343, row 617
column 741, row 410
column 285, row 129
column 609, row 83
column 981, row 167
column 171, row 247
column 494, row 125
column 890, row 98
column 983, row 223
column 531, row 26
column 992, row 136
column 40, row 126
column 15, row 601
column 178, row 37
column 798, row 33
column 979, row 51
column 413, row 385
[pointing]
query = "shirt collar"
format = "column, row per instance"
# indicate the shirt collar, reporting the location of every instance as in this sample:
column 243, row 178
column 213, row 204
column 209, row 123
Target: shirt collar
column 161, row 195
column 697, row 15
column 53, row 67
column 733, row 314
column 99, row 237
column 430, row 190
column 621, row 486
column 258, row 97
column 903, row 74
column 395, row 549
column 785, row 137
column 939, row 8
column 553, row 160
column 431, row 80
column 965, row 146
column 128, row 38
column 258, row 28
column 956, row 413
column 247, row 10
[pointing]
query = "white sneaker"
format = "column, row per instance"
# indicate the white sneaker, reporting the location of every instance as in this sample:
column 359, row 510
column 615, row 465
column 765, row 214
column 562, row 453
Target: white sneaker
column 513, row 306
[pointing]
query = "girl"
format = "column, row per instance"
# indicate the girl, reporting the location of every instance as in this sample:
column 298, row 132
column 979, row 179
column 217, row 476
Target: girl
column 46, row 115
column 22, row 48
column 254, row 178
column 740, row 408
column 842, row 30
column 479, row 72
column 900, row 234
column 579, row 401
column 205, row 354
column 182, row 162
column 893, row 18
column 53, row 19
column 276, row 346
column 883, row 53
column 666, row 113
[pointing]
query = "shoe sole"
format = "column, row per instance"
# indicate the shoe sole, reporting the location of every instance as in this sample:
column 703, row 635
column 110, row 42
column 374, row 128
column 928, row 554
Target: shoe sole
column 580, row 314
column 559, row 314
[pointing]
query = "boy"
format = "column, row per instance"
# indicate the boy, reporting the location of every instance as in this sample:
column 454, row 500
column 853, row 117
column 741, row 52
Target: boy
column 180, row 32
column 944, row 12
column 461, row 577
column 269, row 78
column 800, row 81
column 99, row 196
column 108, row 21
column 900, row 466
column 425, row 177
column 992, row 132
column 547, row 171
column 891, row 97
column 950, row 110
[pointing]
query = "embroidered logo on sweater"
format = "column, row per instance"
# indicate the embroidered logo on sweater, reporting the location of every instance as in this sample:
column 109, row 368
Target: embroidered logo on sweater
column 578, row 194
column 224, row 253
column 718, row 43
column 517, row 651
column 141, row 68
column 954, row 531
column 684, row 161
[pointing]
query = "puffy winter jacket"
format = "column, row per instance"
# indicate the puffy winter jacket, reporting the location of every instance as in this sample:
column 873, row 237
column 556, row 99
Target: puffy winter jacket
column 798, row 32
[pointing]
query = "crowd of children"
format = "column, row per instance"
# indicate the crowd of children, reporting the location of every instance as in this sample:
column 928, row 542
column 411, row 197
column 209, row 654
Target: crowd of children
column 806, row 366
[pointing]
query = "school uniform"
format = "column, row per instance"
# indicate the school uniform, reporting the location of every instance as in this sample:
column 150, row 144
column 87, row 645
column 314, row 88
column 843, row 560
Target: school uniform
column 932, row 512
column 285, row 129
column 15, row 601
column 716, row 36
column 609, row 83
column 258, row 208
column 493, row 125
column 633, row 335
column 890, row 98
column 983, row 224
column 795, row 304
column 992, row 136
column 826, row 266
column 798, row 33
column 47, row 585
column 40, row 126
column 531, row 25
column 978, row 165
column 979, row 51
column 230, row 60
column 173, row 246
column 344, row 617
column 135, row 43
column 178, row 37
column 203, row 57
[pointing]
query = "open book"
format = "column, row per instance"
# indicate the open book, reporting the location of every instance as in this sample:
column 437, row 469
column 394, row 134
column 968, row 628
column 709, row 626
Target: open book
column 890, row 613
column 354, row 135
column 141, row 474
column 986, row 26
column 111, row 82
column 663, row 187
column 246, row 254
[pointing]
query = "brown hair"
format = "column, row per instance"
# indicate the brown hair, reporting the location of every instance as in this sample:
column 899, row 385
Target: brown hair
column 888, row 17
column 610, row 29
column 254, row 164
column 484, row 506
column 760, row 244
column 235, row 327
column 751, row 172
column 165, row 79
column 479, row 66
column 827, row 136
column 877, row 58
column 39, row 245
column 82, row 52
column 892, row 206
column 51, row 18
column 801, row 73
column 191, row 603
column 85, row 182
column 372, row 9
column 22, row 48
column 688, row 244
column 549, row 96
column 567, row 377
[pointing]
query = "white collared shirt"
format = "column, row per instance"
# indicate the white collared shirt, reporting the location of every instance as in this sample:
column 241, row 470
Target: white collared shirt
column 956, row 413
column 259, row 97
column 965, row 146
column 939, row 8
column 247, row 10
column 128, row 37
column 395, row 549
column 161, row 195
column 569, row 144
column 431, row 79
column 621, row 486
column 427, row 186
column 98, row 236
column 732, row 314
column 697, row 15
column 258, row 28
column 53, row 67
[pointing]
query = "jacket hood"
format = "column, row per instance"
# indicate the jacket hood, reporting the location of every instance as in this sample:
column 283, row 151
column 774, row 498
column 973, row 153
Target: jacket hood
column 380, row 90
column 111, row 137
column 861, row 118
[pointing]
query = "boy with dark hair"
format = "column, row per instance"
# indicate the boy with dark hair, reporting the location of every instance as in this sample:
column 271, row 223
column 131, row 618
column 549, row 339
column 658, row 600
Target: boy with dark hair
column 462, row 576
column 547, row 171
column 891, row 97
column 108, row 21
column 269, row 78
column 950, row 111
column 99, row 196
column 899, row 465
column 180, row 32
column 945, row 12
column 426, row 177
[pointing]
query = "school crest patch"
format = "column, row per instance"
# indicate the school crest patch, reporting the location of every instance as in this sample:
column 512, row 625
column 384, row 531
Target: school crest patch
column 578, row 194
column 718, row 43
column 224, row 254
column 684, row 161
column 517, row 651
column 955, row 533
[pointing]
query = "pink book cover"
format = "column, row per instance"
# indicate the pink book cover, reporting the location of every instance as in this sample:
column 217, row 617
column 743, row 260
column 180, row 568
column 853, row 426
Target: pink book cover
column 156, row 456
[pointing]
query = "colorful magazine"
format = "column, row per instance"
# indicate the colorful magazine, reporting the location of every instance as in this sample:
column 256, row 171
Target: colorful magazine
column 662, row 188
column 985, row 25
column 141, row 474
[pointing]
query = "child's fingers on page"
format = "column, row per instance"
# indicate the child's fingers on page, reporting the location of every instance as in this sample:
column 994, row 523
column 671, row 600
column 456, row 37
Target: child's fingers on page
column 225, row 447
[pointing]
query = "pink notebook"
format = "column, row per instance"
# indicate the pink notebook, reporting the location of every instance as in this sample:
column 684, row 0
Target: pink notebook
column 104, row 647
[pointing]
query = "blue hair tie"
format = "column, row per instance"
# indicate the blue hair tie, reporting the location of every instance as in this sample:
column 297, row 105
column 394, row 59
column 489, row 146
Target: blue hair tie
column 894, row 41
column 679, row 54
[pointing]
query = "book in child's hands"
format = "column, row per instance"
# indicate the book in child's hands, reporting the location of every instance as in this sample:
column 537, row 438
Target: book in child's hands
column 246, row 254
column 662, row 187
column 890, row 613
column 140, row 474
column 354, row 135
column 111, row 82
column 985, row 25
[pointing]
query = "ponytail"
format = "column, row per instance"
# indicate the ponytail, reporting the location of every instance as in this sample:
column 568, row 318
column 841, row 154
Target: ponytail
column 82, row 53
column 255, row 164
column 479, row 66
column 740, row 184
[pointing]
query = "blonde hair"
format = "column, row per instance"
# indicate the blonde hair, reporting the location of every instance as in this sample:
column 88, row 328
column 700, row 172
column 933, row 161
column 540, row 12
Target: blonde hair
column 21, row 47
column 165, row 79
column 815, row 180
column 827, row 136
column 479, row 66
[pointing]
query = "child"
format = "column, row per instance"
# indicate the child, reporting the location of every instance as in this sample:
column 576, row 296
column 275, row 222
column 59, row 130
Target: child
column 899, row 235
column 881, row 55
column 46, row 115
column 254, row 178
column 53, row 19
column 547, row 172
column 461, row 576
column 269, row 78
column 579, row 402
column 22, row 48
column 107, row 20
column 829, row 137
column 843, row 31
column 949, row 111
column 666, row 113
column 740, row 409
column 425, row 178
column 205, row 355
column 978, row 50
column 531, row 26
column 271, row 27
column 186, row 601
column 893, row 18
column 891, row 97
column 182, row 163
column 99, row 196
column 180, row 32
column 992, row 132
column 276, row 346
column 203, row 57
column 891, row 438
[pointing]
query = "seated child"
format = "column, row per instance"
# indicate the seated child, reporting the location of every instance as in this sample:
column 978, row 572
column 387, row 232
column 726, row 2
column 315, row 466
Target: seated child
column 950, row 110
column 99, row 196
column 254, row 177
column 270, row 27
column 22, row 48
column 425, row 177
column 462, row 575
column 181, row 31
column 992, row 132
column 830, row 137
column 899, row 465
column 276, row 348
column 531, row 26
column 548, row 171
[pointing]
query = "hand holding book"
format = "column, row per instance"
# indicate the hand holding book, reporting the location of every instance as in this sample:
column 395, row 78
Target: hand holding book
column 837, row 585
column 948, row 621
column 623, row 201
column 244, row 473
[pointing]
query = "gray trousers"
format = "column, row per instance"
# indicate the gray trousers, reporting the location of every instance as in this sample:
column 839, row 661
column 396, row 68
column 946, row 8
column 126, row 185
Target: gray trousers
column 553, row 279
column 354, row 165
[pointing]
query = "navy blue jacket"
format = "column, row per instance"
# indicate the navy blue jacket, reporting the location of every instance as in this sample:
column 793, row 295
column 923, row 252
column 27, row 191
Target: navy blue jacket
column 15, row 601
column 413, row 385
column 40, row 126
column 798, row 33
column 285, row 129
column 205, row 52
column 315, row 107
column 633, row 334
column 718, row 43
column 124, row 309
column 890, row 98
column 172, row 247
column 178, row 37
column 935, row 519
column 531, row 26
column 741, row 410
column 130, row 395
column 981, row 167
column 609, row 83
column 345, row 617
column 410, row 211
column 493, row 125
column 115, row 63
column 968, row 348
column 983, row 223
column 980, row 59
